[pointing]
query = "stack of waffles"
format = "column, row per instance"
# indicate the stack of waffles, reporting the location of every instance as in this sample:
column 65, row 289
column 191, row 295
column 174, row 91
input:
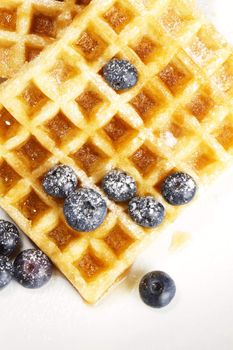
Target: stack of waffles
column 59, row 109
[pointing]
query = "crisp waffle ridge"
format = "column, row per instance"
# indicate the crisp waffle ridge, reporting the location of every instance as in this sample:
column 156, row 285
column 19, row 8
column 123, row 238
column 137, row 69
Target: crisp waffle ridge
column 60, row 110
column 28, row 26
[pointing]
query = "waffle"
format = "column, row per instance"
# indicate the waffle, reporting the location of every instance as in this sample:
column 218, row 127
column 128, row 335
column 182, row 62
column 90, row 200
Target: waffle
column 60, row 110
column 28, row 26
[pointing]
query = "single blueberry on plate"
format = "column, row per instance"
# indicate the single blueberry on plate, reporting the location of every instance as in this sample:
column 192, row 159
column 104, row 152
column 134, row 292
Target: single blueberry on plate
column 9, row 237
column 146, row 211
column 179, row 188
column 6, row 271
column 120, row 74
column 119, row 186
column 85, row 209
column 60, row 181
column 157, row 289
column 32, row 268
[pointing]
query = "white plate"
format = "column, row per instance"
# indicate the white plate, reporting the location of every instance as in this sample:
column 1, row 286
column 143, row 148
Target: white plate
column 199, row 318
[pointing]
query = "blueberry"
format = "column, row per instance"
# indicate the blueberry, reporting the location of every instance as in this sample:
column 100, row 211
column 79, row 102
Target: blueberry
column 120, row 74
column 60, row 181
column 119, row 186
column 6, row 271
column 9, row 237
column 157, row 289
column 85, row 210
column 179, row 188
column 32, row 268
column 146, row 211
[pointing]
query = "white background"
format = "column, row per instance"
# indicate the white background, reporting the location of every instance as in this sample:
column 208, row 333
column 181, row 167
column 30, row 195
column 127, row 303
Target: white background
column 199, row 318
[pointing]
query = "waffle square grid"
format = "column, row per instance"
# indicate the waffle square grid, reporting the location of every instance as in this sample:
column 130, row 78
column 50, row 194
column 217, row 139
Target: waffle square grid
column 60, row 110
column 27, row 27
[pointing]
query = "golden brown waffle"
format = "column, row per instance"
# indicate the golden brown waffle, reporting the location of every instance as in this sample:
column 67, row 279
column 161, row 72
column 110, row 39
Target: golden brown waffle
column 60, row 109
column 27, row 26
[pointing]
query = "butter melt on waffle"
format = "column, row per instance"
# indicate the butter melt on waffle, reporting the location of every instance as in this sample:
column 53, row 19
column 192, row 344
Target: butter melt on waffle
column 60, row 110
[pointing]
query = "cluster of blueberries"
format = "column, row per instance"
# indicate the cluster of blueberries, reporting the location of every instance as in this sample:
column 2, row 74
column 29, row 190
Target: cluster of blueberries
column 31, row 268
column 85, row 209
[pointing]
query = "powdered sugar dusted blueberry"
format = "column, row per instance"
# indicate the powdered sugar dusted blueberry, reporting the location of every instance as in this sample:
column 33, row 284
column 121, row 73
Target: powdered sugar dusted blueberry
column 179, row 188
column 120, row 74
column 32, row 268
column 85, row 209
column 9, row 237
column 119, row 186
column 60, row 181
column 6, row 271
column 146, row 211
